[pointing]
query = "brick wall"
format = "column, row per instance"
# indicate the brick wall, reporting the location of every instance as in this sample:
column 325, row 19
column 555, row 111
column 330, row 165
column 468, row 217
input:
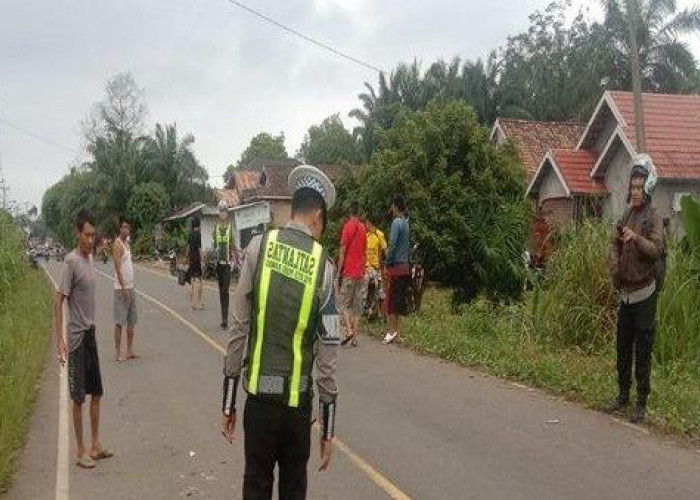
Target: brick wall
column 558, row 211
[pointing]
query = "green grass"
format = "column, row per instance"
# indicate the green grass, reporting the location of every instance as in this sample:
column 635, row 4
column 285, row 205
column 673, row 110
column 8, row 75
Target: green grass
column 25, row 325
column 500, row 341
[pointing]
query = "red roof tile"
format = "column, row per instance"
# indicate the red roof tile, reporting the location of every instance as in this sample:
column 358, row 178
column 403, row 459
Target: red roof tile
column 230, row 196
column 575, row 166
column 245, row 179
column 672, row 130
column 534, row 139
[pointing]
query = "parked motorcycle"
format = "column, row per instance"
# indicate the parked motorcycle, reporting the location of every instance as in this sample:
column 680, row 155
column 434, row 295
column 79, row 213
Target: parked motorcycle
column 374, row 296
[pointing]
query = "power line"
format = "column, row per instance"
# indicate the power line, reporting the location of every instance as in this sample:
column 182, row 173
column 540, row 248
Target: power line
column 38, row 137
column 307, row 38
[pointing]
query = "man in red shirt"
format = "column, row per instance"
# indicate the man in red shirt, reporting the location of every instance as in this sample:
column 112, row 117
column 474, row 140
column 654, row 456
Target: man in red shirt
column 351, row 263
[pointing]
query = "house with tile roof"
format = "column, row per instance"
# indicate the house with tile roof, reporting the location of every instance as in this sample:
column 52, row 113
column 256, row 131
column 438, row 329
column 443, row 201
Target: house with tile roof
column 595, row 173
column 266, row 181
column 534, row 139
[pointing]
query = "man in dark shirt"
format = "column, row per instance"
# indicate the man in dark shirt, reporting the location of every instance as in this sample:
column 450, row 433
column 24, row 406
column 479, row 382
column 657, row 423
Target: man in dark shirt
column 194, row 258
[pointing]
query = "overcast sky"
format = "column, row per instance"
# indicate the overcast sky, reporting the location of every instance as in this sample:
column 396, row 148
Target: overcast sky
column 215, row 70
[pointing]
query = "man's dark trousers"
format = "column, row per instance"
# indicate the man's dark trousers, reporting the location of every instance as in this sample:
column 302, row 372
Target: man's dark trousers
column 223, row 275
column 275, row 433
column 636, row 324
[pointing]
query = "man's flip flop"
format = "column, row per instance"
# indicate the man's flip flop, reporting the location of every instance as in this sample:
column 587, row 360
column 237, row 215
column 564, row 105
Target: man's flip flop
column 133, row 356
column 102, row 454
column 86, row 462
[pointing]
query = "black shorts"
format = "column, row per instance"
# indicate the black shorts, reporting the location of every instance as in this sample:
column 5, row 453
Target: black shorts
column 195, row 269
column 84, row 369
column 397, row 295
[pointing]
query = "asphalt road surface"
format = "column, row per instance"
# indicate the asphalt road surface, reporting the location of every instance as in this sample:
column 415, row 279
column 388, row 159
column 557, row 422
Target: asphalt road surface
column 408, row 426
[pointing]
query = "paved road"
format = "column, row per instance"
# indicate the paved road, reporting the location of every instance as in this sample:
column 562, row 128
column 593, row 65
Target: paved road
column 410, row 424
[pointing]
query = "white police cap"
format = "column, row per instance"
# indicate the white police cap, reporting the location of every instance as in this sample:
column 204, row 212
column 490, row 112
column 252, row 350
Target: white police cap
column 307, row 176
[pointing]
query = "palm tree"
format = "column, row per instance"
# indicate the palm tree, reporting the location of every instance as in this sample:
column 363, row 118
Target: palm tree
column 666, row 61
column 172, row 163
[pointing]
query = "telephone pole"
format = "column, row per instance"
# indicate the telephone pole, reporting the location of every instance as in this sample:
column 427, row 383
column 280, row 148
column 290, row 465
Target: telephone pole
column 632, row 20
column 3, row 183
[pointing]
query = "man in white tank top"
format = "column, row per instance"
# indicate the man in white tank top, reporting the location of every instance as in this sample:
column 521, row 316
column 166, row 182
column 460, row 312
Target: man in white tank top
column 125, row 315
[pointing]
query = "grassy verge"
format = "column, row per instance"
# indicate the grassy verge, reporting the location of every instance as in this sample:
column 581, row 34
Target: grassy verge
column 498, row 341
column 25, row 324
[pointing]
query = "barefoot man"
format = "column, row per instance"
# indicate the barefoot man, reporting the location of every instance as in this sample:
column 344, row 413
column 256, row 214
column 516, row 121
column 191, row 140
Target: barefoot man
column 77, row 286
column 125, row 315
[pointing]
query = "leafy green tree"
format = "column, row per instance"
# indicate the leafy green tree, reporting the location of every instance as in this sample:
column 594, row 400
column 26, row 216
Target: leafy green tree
column 329, row 144
column 666, row 61
column 555, row 70
column 262, row 146
column 51, row 205
column 465, row 198
column 122, row 158
column 148, row 203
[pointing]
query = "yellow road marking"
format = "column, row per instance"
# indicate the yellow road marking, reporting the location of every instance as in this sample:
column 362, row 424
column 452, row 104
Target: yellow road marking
column 375, row 476
column 62, row 477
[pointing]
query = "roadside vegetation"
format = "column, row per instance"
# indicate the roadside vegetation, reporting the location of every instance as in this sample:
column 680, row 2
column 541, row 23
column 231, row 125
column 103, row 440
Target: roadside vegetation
column 25, row 326
column 561, row 336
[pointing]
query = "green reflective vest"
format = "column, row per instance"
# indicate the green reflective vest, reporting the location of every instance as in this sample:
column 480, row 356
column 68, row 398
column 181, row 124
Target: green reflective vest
column 286, row 313
column 222, row 239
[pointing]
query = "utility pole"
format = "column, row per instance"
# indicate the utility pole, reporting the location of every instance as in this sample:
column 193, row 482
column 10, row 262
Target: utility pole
column 3, row 182
column 632, row 18
column 4, row 189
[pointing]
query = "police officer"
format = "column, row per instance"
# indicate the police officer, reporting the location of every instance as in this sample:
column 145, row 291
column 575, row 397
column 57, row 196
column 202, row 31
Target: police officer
column 284, row 305
column 223, row 243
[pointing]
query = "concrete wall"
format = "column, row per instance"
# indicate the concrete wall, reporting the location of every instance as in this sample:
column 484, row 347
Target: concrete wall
column 604, row 135
column 616, row 182
column 281, row 212
column 663, row 201
column 550, row 185
column 498, row 138
column 207, row 230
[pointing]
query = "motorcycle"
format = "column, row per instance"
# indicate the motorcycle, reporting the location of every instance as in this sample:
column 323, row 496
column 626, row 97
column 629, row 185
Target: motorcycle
column 417, row 287
column 375, row 294
column 172, row 260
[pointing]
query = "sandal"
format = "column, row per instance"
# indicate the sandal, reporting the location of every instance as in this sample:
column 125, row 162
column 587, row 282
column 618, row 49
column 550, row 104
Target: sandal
column 86, row 462
column 102, row 454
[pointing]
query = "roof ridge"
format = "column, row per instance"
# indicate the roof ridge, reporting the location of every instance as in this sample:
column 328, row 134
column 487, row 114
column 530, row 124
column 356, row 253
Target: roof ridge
column 544, row 122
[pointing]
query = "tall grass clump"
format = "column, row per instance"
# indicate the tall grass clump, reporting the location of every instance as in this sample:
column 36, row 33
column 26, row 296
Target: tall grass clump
column 25, row 322
column 678, row 313
column 678, row 334
column 12, row 260
column 575, row 305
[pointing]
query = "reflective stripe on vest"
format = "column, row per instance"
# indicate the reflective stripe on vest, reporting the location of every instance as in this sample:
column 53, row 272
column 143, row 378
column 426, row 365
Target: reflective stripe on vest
column 262, row 309
column 302, row 323
column 225, row 238
column 307, row 277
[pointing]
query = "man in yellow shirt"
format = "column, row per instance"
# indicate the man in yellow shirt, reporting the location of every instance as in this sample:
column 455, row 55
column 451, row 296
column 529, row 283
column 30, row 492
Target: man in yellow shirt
column 376, row 249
